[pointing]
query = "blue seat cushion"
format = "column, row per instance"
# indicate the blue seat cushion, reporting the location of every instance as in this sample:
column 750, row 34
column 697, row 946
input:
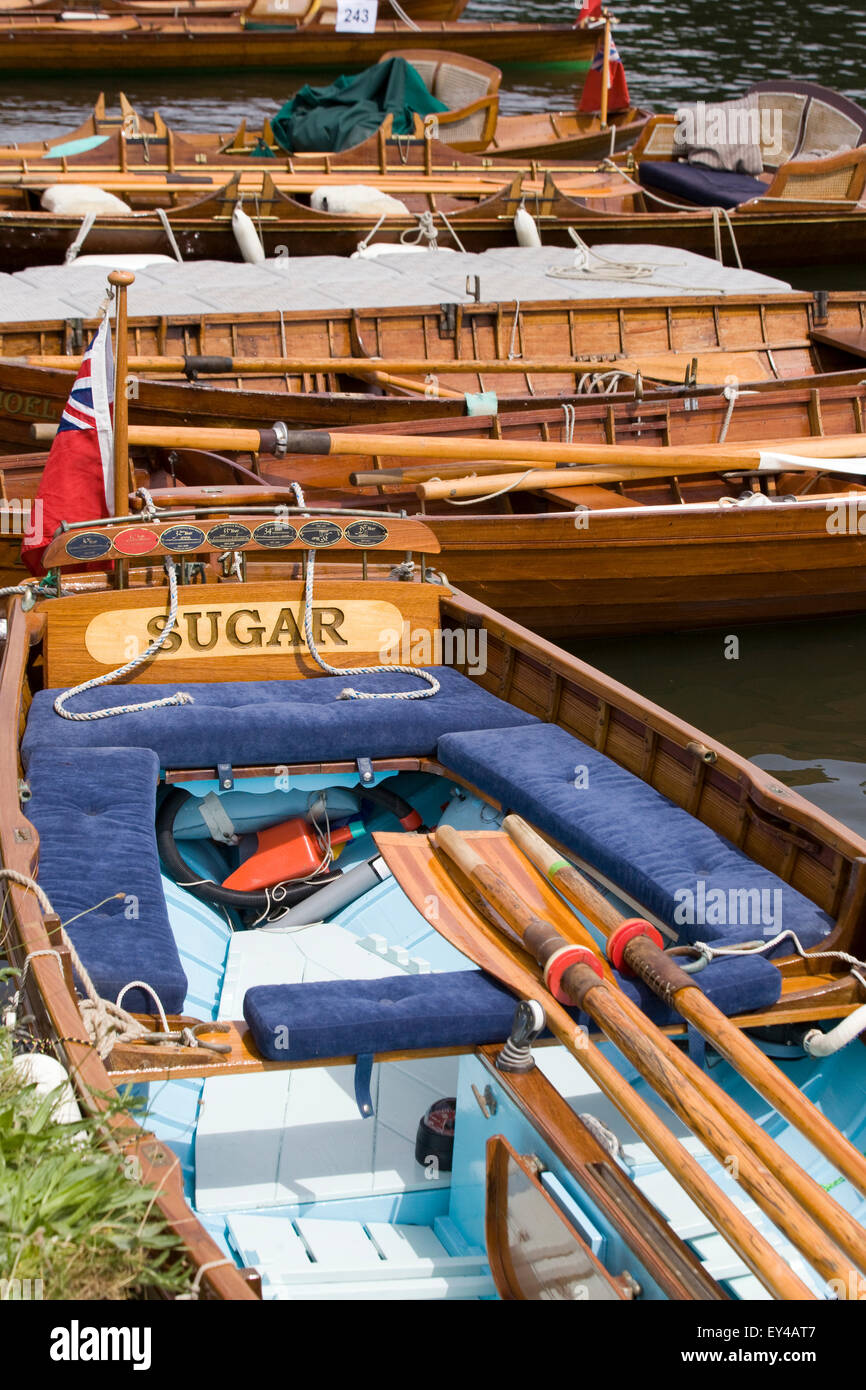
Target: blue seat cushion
column 676, row 867
column 461, row 1008
column 258, row 723
column 94, row 810
column 708, row 188
column 341, row 1018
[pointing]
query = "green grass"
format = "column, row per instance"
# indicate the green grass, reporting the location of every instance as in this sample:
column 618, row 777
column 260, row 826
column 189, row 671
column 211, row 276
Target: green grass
column 71, row 1213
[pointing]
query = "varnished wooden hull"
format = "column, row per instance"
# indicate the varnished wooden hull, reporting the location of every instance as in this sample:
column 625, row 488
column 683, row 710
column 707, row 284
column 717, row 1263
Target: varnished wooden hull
column 633, row 563
column 784, row 332
column 128, row 45
column 769, row 237
column 676, row 569
column 479, row 206
column 833, row 404
column 558, row 135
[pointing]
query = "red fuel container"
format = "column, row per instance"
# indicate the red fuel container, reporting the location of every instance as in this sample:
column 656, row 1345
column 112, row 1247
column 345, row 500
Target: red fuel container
column 286, row 851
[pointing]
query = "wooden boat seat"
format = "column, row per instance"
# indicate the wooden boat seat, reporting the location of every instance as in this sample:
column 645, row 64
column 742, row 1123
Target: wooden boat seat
column 674, row 866
column 264, row 723
column 850, row 340
column 469, row 88
column 94, row 810
column 700, row 186
column 93, row 798
column 398, row 1013
column 596, row 498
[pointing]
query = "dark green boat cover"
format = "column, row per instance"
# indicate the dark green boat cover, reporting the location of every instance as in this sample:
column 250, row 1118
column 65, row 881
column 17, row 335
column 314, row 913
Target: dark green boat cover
column 352, row 108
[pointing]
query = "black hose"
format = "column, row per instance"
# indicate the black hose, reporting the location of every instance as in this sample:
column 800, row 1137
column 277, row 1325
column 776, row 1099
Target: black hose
column 281, row 895
column 389, row 800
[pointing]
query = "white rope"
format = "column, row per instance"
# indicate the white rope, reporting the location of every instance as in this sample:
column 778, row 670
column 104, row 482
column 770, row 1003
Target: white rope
column 106, row 1023
column 443, row 214
column 511, row 352
column 401, row 14
column 179, row 698
column 487, row 496
column 362, row 246
column 349, row 693
column 605, row 269
column 166, row 227
column 679, row 207
column 602, row 383
column 425, row 231
column 568, row 423
column 196, row 1283
column 731, row 395
column 74, row 247
column 707, row 952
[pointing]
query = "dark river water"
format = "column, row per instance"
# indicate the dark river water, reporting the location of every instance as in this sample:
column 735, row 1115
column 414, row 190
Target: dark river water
column 794, row 701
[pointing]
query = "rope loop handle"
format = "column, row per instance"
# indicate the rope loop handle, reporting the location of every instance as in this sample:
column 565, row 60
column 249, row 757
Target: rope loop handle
column 179, row 698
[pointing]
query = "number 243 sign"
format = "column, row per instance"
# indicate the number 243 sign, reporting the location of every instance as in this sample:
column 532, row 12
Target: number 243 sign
column 358, row 17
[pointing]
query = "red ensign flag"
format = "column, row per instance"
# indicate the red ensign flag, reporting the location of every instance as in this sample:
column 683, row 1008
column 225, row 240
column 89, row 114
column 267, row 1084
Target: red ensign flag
column 617, row 87
column 78, row 480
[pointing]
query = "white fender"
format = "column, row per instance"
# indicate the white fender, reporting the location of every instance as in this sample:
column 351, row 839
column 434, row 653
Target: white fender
column 525, row 229
column 357, row 198
column 394, row 248
column 77, row 199
column 247, row 237
column 133, row 260
column 47, row 1074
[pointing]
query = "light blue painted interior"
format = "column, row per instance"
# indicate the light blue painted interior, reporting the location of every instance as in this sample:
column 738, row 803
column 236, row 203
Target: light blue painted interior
column 453, row 1214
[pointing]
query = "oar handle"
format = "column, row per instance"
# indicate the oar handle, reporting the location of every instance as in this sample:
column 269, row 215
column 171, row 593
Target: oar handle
column 634, row 946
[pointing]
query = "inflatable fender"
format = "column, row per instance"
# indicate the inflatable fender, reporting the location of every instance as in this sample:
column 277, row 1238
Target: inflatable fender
column 525, row 229
column 358, row 199
column 47, row 1074
column 77, row 199
column 247, row 237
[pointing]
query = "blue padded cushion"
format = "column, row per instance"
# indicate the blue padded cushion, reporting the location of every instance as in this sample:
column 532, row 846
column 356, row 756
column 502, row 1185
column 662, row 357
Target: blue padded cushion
column 339, row 1018
column 460, row 1008
column 708, row 188
column 736, row 985
column 633, row 835
column 94, row 810
column 268, row 722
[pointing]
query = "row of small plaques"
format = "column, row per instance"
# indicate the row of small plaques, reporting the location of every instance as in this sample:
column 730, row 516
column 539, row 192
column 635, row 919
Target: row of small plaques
column 228, row 535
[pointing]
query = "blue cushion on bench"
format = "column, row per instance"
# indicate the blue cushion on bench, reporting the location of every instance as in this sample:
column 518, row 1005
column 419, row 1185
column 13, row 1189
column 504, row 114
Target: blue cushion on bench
column 708, row 188
column 94, row 810
column 637, row 838
column 258, row 723
column 461, row 1008
column 735, row 984
column 342, row 1018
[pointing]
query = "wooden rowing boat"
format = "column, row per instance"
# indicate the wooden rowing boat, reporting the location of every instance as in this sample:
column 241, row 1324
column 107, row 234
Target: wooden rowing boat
column 662, row 778
column 726, row 545
column 296, row 11
column 32, row 399
column 467, row 205
column 133, row 140
column 131, row 41
column 788, row 335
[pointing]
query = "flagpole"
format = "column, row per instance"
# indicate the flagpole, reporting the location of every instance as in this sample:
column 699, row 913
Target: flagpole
column 121, row 280
column 605, row 70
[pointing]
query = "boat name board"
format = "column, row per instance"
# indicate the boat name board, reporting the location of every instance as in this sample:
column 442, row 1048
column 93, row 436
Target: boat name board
column 208, row 629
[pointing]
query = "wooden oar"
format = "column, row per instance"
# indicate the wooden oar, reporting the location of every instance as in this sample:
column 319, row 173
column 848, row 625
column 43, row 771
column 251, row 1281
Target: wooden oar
column 572, row 973
column 411, row 859
column 679, row 457
column 667, row 366
column 637, row 947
